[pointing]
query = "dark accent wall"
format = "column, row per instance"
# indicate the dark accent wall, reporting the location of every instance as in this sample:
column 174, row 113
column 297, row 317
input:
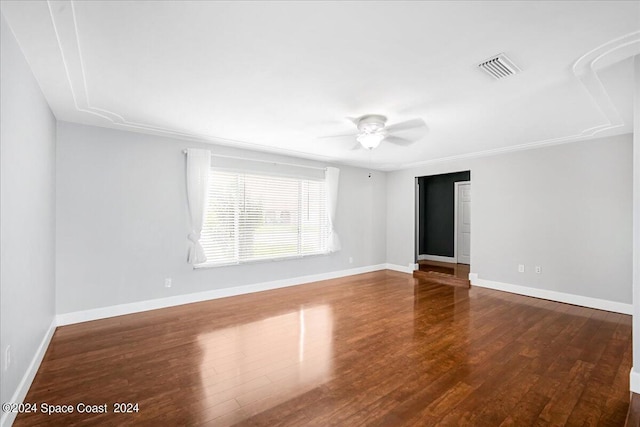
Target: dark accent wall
column 437, row 209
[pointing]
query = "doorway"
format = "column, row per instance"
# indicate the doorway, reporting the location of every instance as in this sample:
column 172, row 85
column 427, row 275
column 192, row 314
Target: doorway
column 443, row 228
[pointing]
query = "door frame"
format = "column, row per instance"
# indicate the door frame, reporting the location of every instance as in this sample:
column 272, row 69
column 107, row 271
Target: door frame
column 416, row 209
column 456, row 189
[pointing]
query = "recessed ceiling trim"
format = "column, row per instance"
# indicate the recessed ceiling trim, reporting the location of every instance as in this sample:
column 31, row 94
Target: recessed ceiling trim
column 66, row 30
column 65, row 27
column 585, row 70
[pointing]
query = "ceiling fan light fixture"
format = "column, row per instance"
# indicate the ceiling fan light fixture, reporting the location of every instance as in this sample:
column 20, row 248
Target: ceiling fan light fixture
column 370, row 140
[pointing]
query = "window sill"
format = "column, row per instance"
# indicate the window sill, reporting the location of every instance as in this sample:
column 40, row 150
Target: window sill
column 258, row 261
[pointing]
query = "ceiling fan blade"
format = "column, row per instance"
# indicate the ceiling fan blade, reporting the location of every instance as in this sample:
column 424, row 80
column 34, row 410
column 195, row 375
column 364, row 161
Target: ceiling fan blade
column 409, row 124
column 411, row 130
column 344, row 135
column 399, row 141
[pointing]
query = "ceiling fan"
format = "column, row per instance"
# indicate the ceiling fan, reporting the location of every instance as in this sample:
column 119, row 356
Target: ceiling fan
column 372, row 130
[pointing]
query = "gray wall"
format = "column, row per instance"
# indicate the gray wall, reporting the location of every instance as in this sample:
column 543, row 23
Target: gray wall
column 27, row 217
column 566, row 208
column 122, row 221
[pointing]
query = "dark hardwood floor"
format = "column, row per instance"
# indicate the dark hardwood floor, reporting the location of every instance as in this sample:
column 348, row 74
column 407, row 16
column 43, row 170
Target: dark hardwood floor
column 460, row 271
column 374, row 349
column 633, row 416
column 444, row 273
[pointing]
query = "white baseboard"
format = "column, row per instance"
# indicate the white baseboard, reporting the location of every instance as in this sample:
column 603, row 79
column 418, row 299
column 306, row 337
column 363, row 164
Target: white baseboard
column 408, row 269
column 600, row 304
column 22, row 389
column 634, row 381
column 140, row 306
column 438, row 258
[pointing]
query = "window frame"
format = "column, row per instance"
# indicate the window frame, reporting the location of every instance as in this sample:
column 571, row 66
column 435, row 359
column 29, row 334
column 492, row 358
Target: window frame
column 299, row 180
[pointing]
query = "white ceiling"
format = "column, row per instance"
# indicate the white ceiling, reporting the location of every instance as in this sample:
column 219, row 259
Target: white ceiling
column 274, row 76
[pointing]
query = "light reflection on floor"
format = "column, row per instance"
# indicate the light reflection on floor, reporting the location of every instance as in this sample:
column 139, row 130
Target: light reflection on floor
column 264, row 363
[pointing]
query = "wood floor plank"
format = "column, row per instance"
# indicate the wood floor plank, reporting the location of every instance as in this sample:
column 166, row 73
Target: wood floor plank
column 378, row 349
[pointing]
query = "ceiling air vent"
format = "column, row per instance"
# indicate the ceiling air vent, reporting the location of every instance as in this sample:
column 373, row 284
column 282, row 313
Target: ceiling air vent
column 499, row 66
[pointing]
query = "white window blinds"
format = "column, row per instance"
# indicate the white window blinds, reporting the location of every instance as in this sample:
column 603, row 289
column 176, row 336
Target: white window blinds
column 256, row 217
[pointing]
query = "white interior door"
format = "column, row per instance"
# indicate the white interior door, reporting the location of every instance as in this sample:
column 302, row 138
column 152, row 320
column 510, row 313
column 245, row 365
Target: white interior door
column 463, row 223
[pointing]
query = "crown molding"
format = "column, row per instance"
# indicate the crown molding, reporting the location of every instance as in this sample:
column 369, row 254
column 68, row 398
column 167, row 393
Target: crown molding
column 65, row 27
column 584, row 69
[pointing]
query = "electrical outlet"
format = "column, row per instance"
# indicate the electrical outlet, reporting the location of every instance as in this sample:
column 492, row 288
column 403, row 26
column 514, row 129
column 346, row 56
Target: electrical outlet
column 167, row 282
column 7, row 357
column 350, row 260
column 520, row 268
column 538, row 269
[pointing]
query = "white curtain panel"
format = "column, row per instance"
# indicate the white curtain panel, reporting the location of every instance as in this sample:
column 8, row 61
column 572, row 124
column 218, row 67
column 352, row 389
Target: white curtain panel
column 198, row 165
column 332, row 176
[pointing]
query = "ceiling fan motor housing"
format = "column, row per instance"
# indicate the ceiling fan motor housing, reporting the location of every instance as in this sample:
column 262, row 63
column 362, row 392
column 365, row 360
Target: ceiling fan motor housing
column 371, row 123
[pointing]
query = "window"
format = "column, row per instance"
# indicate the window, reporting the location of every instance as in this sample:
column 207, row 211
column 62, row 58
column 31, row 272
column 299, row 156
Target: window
column 253, row 217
